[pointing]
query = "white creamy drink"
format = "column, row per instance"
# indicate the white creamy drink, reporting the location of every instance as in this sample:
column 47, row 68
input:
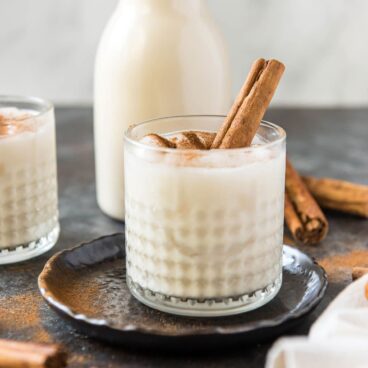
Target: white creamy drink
column 204, row 225
column 28, row 201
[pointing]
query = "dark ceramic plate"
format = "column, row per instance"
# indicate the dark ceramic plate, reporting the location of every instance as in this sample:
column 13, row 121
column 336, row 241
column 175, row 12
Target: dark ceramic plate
column 86, row 285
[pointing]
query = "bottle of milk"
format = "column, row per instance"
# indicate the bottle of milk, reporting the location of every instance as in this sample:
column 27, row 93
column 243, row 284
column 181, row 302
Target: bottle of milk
column 156, row 58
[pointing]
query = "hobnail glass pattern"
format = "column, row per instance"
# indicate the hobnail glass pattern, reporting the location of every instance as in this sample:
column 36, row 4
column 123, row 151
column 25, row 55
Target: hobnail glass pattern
column 176, row 261
column 28, row 204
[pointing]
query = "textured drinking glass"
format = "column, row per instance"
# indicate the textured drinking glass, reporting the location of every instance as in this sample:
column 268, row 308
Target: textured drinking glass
column 28, row 186
column 204, row 229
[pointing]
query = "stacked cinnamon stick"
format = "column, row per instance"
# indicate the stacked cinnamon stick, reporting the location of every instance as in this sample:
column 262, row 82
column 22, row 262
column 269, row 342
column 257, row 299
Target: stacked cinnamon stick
column 303, row 196
column 339, row 195
column 303, row 216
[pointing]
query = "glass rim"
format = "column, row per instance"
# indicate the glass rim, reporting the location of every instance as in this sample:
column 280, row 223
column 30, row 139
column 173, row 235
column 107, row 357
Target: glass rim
column 128, row 137
column 45, row 104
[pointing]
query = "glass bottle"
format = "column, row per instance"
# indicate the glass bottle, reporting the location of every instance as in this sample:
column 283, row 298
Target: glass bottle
column 156, row 58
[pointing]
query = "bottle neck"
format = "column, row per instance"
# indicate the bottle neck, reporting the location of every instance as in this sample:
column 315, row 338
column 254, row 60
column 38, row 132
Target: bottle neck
column 189, row 7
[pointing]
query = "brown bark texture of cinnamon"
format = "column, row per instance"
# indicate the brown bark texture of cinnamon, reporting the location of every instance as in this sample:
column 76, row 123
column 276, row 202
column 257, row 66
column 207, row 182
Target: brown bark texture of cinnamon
column 303, row 216
column 14, row 354
column 242, row 122
column 339, row 195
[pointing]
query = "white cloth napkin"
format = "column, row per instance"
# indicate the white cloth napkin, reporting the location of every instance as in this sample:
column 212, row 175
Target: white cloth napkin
column 338, row 339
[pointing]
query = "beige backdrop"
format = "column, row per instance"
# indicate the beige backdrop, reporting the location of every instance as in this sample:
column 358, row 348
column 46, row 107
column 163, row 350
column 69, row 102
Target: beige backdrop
column 47, row 47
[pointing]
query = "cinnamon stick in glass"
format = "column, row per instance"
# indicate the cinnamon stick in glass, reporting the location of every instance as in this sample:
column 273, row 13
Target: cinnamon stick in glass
column 253, row 75
column 339, row 195
column 242, row 122
column 244, row 118
column 303, row 216
column 14, row 354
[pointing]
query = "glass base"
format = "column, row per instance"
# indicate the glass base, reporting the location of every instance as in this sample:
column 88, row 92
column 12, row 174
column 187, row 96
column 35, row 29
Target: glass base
column 205, row 307
column 30, row 250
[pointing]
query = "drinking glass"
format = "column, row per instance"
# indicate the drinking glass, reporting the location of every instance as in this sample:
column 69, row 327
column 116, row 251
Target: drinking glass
column 204, row 228
column 28, row 185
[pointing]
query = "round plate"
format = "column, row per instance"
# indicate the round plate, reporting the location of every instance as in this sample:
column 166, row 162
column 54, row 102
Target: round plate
column 87, row 286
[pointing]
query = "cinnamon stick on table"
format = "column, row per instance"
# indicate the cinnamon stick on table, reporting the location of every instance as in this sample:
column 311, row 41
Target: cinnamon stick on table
column 242, row 122
column 14, row 354
column 303, row 216
column 339, row 195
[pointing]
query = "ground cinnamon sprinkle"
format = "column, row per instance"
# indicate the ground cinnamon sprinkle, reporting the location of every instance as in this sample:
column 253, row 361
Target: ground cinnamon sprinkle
column 21, row 312
column 81, row 296
column 78, row 291
column 339, row 267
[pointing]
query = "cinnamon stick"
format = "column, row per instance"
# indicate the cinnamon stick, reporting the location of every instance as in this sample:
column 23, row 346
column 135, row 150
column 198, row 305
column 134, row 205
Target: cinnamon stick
column 303, row 216
column 339, row 195
column 14, row 354
column 253, row 75
column 242, row 122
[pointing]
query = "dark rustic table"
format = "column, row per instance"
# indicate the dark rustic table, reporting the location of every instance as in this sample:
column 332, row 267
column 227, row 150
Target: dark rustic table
column 325, row 142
